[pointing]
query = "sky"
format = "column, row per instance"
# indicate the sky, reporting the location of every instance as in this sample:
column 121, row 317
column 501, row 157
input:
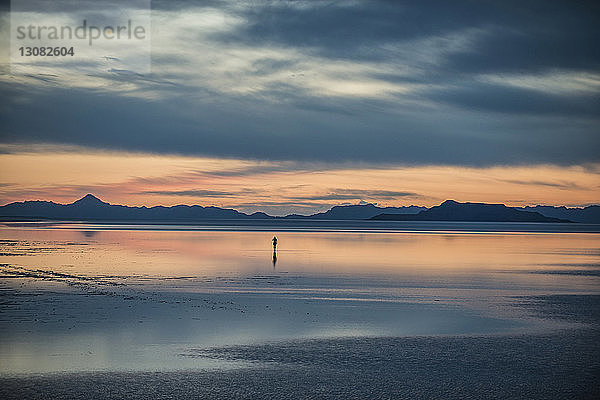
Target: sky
column 298, row 106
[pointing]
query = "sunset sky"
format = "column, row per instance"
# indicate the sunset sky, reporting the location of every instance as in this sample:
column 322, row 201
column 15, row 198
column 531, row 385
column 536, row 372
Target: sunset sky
column 298, row 106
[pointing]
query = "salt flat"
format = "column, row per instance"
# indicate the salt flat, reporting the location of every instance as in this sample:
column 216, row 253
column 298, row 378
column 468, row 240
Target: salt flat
column 138, row 314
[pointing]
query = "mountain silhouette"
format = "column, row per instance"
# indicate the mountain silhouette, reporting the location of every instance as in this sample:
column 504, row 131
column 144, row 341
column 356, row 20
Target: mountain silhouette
column 362, row 211
column 589, row 214
column 91, row 208
column 89, row 200
column 451, row 210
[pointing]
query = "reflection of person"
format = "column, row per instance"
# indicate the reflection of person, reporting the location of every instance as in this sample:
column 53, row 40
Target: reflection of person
column 274, row 240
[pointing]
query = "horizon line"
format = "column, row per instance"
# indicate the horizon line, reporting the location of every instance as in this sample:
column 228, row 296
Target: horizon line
column 306, row 215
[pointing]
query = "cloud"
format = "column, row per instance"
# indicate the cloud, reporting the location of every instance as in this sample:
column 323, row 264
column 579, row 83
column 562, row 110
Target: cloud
column 356, row 194
column 512, row 35
column 408, row 83
column 253, row 130
column 515, row 101
column 193, row 193
column 559, row 185
column 201, row 192
column 259, row 169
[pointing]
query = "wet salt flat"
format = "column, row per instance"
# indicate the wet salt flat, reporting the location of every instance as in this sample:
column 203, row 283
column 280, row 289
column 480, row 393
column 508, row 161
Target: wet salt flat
column 118, row 303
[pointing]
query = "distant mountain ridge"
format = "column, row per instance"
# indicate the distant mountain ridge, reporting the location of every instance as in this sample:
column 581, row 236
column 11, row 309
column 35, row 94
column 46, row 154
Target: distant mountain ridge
column 589, row 214
column 363, row 211
column 91, row 208
column 451, row 210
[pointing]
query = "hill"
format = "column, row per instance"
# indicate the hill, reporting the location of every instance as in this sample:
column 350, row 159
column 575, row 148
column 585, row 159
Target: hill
column 92, row 208
column 363, row 211
column 588, row 215
column 451, row 210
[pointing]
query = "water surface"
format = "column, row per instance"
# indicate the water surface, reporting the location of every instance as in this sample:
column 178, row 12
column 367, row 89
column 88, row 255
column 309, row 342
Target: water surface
column 88, row 297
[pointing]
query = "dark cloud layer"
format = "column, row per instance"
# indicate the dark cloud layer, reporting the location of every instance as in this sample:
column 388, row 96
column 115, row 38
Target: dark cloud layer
column 513, row 35
column 450, row 115
column 515, row 101
column 287, row 133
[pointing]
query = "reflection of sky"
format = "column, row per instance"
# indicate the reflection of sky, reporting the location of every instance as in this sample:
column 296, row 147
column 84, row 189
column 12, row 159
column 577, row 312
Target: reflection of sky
column 492, row 258
column 225, row 291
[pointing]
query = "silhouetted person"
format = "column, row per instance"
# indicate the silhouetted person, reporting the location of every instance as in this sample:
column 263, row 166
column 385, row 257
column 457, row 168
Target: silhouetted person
column 274, row 240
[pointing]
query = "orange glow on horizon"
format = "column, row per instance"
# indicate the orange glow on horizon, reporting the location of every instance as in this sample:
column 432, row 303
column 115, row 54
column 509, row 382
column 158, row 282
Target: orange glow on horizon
column 281, row 187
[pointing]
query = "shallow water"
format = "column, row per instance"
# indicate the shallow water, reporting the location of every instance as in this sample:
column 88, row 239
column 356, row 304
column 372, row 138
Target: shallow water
column 79, row 297
column 126, row 252
column 523, row 367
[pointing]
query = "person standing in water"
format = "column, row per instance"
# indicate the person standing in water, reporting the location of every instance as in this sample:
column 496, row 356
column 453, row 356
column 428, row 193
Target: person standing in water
column 274, row 240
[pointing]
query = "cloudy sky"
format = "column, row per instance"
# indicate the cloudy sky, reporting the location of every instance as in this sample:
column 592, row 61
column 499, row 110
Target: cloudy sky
column 297, row 106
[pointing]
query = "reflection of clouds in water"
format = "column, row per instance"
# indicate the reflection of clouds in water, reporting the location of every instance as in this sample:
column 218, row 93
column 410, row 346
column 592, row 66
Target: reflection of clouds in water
column 161, row 288
column 366, row 259
column 89, row 234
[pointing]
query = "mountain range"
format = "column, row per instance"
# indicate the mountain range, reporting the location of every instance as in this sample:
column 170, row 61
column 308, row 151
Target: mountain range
column 590, row 214
column 451, row 210
column 91, row 208
column 363, row 211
